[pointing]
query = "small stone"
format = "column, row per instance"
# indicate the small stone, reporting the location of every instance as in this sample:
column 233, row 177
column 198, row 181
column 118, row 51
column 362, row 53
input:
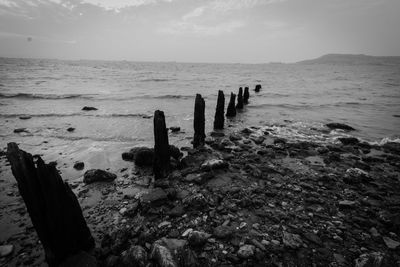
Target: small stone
column 223, row 231
column 214, row 164
column 122, row 211
column 20, row 130
column 175, row 129
column 291, row 240
column 86, row 108
column 187, row 232
column 246, row 251
column 265, row 242
column 275, row 242
column 347, row 204
column 25, row 117
column 390, row 243
column 6, row 250
column 163, row 224
column 374, row 232
column 198, row 239
column 71, row 129
column 79, row 165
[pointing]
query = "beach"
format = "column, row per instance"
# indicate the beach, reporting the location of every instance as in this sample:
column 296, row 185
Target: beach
column 276, row 187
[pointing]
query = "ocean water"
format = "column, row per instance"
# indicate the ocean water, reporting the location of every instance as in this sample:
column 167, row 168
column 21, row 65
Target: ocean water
column 295, row 102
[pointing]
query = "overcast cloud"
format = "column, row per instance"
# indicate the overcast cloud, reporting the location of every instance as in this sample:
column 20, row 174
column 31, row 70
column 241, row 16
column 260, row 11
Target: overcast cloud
column 248, row 31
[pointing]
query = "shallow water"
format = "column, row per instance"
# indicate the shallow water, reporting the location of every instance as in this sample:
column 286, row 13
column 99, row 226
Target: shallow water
column 295, row 102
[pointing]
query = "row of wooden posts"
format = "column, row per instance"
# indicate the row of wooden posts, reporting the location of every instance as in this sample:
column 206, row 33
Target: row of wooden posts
column 53, row 207
column 161, row 145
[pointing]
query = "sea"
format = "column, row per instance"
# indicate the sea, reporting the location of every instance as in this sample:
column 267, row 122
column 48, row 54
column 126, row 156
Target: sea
column 295, row 102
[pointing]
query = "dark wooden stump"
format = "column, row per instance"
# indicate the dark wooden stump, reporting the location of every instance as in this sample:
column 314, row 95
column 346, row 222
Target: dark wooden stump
column 258, row 88
column 219, row 111
column 199, row 121
column 161, row 163
column 231, row 110
column 246, row 96
column 52, row 206
column 239, row 104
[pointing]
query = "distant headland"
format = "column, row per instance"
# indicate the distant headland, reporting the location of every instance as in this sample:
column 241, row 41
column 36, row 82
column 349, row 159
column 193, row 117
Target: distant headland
column 353, row 59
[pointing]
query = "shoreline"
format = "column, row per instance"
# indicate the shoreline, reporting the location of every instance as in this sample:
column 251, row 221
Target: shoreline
column 272, row 201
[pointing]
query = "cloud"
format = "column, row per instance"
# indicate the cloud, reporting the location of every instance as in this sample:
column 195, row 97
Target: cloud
column 119, row 4
column 178, row 28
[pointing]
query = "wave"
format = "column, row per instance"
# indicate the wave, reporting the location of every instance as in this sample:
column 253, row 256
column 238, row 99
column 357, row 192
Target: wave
column 157, row 80
column 112, row 115
column 45, row 96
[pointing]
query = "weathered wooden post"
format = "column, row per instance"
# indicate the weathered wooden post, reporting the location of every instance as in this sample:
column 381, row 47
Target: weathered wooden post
column 231, row 110
column 199, row 121
column 161, row 163
column 52, row 206
column 246, row 95
column 239, row 104
column 219, row 111
column 258, row 88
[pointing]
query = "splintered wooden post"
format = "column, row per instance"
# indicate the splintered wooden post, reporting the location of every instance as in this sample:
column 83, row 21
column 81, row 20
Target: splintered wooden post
column 239, row 104
column 52, row 206
column 161, row 164
column 199, row 121
column 219, row 111
column 246, row 96
column 231, row 110
column 258, row 88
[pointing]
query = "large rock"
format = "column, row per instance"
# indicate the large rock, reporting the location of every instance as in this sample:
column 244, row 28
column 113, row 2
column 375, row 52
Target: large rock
column 246, row 251
column 223, row 231
column 291, row 240
column 6, row 250
column 162, row 255
column 144, row 156
column 97, row 175
column 134, row 256
column 340, row 126
column 155, row 196
column 374, row 259
column 198, row 239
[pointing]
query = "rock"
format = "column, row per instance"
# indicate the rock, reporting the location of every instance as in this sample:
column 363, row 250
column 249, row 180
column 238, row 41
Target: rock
column 373, row 259
column 86, row 108
column 313, row 238
column 214, row 164
column 355, row 176
column 134, row 256
column 155, row 196
column 144, row 156
column 177, row 211
column 187, row 232
column 79, row 165
column 198, row 178
column 175, row 152
column 97, row 175
column 25, row 117
column 339, row 259
column 196, row 201
column 341, row 126
column 70, row 129
column 6, row 250
column 246, row 251
column 198, row 239
column 234, row 137
column 223, row 231
column 390, row 243
column 257, row 88
column 258, row 244
column 122, row 211
column 291, row 240
column 347, row 204
column 162, row 255
column 175, row 129
column 21, row 130
column 189, row 258
column 349, row 140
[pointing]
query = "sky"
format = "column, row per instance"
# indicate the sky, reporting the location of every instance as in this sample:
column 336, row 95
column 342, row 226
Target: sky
column 231, row 31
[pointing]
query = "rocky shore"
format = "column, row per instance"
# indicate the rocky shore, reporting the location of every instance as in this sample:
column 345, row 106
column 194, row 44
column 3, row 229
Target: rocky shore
column 246, row 198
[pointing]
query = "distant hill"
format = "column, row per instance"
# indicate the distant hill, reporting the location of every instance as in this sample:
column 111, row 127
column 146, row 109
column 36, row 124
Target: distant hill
column 348, row 59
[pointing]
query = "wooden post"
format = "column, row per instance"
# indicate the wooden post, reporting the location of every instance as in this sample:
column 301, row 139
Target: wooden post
column 219, row 111
column 246, row 95
column 231, row 110
column 52, row 206
column 258, row 88
column 161, row 163
column 199, row 121
column 239, row 104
